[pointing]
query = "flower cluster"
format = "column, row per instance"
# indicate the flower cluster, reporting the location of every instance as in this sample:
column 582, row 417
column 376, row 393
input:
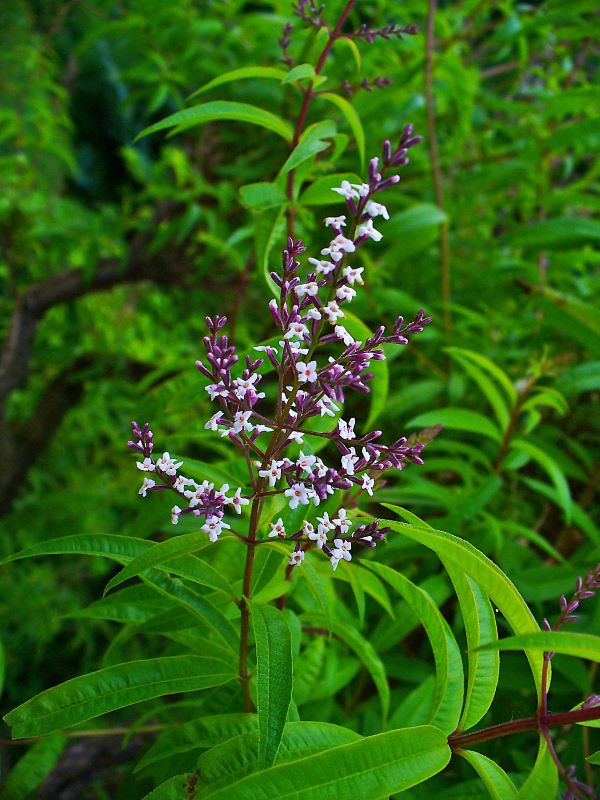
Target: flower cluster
column 310, row 315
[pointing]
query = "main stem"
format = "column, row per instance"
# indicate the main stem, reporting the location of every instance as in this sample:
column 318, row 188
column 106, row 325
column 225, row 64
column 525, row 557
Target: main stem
column 244, row 608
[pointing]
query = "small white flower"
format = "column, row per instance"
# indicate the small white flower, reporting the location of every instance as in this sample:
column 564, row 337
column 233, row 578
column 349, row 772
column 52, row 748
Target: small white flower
column 216, row 390
column 320, row 467
column 333, row 311
column 181, row 482
column 237, row 501
column 368, row 230
column 346, row 428
column 167, row 464
column 296, row 436
column 299, row 494
column 343, row 334
column 147, row 465
column 311, row 289
column 305, row 462
column 262, row 348
column 362, row 189
column 336, row 222
column 296, row 329
column 214, row 528
column 241, row 422
column 295, row 348
column 313, row 313
column 242, row 385
column 296, row 558
column 327, row 524
column 263, row 429
column 175, row 512
column 319, row 536
column 307, row 528
column 345, row 293
column 147, row 484
column 327, row 406
column 307, row 373
column 342, row 243
column 213, row 422
column 342, row 522
column 342, row 551
column 346, row 191
column 277, row 529
column 273, row 472
column 367, row 484
column 353, row 274
column 322, row 266
column 374, row 209
column 349, row 460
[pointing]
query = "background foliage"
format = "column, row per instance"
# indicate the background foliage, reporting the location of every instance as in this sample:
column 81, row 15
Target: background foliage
column 113, row 252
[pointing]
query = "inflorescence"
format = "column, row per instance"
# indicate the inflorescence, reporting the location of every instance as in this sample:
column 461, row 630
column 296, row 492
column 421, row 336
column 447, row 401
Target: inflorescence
column 309, row 314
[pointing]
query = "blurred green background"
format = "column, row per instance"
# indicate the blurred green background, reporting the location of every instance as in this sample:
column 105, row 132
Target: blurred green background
column 111, row 253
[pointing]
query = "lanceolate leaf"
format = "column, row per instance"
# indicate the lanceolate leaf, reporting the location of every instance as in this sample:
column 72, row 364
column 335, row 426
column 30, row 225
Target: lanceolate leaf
column 460, row 419
column 449, row 672
column 497, row 782
column 171, row 789
column 240, row 74
column 543, row 779
column 311, row 143
column 97, row 693
column 352, row 118
column 552, row 469
column 581, row 645
column 273, row 678
column 480, row 626
column 492, row 580
column 221, row 110
column 32, row 768
column 369, row 769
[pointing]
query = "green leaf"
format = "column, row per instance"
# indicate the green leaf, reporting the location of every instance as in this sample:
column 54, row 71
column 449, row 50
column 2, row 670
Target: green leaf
column 317, row 588
column 320, row 192
column 379, row 385
column 309, row 145
column 163, row 552
column 543, row 779
column 497, row 782
column 552, row 469
column 365, row 652
column 221, row 110
column 97, row 693
column 206, row 731
column 582, row 645
column 460, row 419
column 29, row 772
column 489, row 389
column 299, row 72
column 369, row 769
column 2, row 666
column 259, row 196
column 273, row 678
column 352, row 119
column 480, row 625
column 594, row 758
column 240, row 74
column 488, row 366
column 269, row 229
column 557, row 234
column 170, row 789
column 449, row 678
column 417, row 227
column 481, row 569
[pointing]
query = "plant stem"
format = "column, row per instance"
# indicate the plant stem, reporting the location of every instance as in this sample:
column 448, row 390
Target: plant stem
column 308, row 96
column 244, row 608
column 435, row 165
column 535, row 722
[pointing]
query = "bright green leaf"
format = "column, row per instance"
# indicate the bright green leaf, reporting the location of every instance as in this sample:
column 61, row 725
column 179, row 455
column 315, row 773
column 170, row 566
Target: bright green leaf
column 352, row 118
column 495, row 779
column 239, row 74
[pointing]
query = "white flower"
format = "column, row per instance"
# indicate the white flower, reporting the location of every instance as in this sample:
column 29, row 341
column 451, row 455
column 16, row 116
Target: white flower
column 147, row 465
column 333, row 311
column 307, row 527
column 345, row 293
column 296, row 329
column 175, row 512
column 263, row 429
column 277, row 529
column 353, row 274
column 320, row 468
column 295, row 348
column 349, row 460
column 305, row 462
column 343, row 334
column 338, row 246
column 368, row 230
column 346, row 428
column 327, row 524
column 327, row 406
column 241, row 423
column 346, row 191
column 335, row 222
column 296, row 436
column 313, row 313
column 216, row 390
column 214, row 528
column 181, row 482
column 376, row 210
column 147, row 484
column 311, row 289
column 213, row 422
column 299, row 494
column 263, row 348
column 296, row 558
column 342, row 551
column 167, row 464
column 367, row 484
column 307, row 373
column 362, row 189
column 342, row 522
column 273, row 472
column 242, row 385
column 321, row 265
column 319, row 536
column 237, row 501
